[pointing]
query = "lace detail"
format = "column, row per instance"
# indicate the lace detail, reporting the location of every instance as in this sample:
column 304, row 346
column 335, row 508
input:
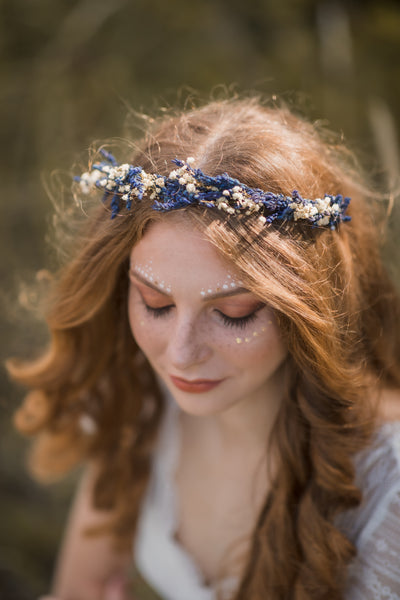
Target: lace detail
column 381, row 592
column 374, row 527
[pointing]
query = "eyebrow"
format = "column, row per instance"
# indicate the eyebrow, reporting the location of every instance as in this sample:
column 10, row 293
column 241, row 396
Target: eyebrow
column 215, row 296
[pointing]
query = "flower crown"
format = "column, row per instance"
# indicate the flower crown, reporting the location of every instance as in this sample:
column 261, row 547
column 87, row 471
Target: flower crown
column 186, row 186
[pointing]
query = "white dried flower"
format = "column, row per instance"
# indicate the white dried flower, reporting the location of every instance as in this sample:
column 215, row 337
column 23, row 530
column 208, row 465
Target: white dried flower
column 303, row 211
column 323, row 204
column 323, row 221
column 88, row 180
column 237, row 196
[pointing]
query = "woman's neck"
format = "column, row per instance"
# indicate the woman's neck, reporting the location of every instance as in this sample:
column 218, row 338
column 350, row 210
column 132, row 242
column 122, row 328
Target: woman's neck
column 243, row 428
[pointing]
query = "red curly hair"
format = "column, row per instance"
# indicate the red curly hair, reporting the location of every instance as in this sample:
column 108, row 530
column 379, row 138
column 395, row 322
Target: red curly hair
column 336, row 308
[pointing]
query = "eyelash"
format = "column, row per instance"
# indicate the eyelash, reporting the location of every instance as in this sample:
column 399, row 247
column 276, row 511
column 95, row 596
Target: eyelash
column 240, row 322
column 157, row 312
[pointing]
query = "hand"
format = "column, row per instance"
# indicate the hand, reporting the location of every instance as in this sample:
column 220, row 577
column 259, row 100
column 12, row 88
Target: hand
column 115, row 589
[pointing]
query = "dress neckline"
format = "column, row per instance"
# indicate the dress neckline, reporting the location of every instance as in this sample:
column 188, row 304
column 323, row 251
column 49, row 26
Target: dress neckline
column 159, row 555
column 168, row 462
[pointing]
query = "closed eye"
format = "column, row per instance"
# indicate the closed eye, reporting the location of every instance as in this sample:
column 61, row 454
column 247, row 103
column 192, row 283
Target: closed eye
column 240, row 322
column 158, row 311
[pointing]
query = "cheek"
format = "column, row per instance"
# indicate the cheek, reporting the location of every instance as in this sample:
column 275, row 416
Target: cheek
column 145, row 329
column 272, row 349
column 258, row 346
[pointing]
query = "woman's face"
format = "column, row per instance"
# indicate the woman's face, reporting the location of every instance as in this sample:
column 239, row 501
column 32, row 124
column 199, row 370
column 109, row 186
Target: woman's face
column 211, row 341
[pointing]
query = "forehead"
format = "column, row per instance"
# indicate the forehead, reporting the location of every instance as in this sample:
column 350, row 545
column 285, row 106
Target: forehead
column 177, row 247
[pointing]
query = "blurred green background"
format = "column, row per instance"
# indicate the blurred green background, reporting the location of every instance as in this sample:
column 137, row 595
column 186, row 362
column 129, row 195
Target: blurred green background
column 70, row 70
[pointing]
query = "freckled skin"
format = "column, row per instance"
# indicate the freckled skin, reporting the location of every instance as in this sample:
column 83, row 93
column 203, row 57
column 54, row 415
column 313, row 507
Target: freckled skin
column 194, row 337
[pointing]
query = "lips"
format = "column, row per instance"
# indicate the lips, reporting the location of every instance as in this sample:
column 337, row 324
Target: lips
column 195, row 386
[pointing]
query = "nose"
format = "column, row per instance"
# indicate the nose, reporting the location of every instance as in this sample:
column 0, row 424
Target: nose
column 188, row 345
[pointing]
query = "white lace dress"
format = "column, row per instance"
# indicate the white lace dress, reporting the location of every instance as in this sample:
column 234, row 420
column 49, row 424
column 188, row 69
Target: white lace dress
column 374, row 527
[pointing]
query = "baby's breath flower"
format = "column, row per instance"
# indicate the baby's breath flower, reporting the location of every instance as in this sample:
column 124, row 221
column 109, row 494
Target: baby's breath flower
column 129, row 183
column 323, row 221
column 237, row 196
column 88, row 180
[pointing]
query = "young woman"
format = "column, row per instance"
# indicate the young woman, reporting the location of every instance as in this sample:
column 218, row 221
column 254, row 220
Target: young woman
column 225, row 357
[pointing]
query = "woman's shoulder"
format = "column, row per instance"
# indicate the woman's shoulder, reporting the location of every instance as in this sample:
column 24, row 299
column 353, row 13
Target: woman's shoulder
column 389, row 405
column 374, row 526
column 377, row 475
column 378, row 465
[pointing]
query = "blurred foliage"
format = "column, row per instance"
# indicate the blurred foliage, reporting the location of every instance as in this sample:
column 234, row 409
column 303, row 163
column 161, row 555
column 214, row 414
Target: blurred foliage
column 69, row 72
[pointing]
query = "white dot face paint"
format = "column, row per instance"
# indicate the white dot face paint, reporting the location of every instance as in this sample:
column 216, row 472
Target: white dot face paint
column 214, row 349
column 228, row 283
column 253, row 335
column 146, row 271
